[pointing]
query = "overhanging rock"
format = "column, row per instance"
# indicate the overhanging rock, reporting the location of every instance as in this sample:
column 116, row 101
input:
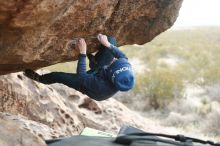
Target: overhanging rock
column 37, row 33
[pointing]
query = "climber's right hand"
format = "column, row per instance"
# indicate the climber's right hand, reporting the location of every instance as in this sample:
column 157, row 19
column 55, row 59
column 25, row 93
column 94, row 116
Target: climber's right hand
column 103, row 40
column 81, row 45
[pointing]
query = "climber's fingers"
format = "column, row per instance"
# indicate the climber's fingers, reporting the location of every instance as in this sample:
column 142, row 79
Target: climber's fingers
column 81, row 45
column 103, row 39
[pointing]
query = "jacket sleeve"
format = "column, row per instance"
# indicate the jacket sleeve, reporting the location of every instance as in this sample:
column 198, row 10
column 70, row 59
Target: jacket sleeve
column 81, row 65
column 117, row 53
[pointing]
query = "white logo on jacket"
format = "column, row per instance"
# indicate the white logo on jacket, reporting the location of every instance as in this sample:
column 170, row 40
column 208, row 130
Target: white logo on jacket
column 126, row 68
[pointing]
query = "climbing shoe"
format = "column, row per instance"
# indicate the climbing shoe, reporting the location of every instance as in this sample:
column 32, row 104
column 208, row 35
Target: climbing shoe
column 31, row 74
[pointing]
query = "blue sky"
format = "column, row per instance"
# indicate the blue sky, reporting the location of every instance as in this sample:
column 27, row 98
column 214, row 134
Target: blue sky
column 199, row 13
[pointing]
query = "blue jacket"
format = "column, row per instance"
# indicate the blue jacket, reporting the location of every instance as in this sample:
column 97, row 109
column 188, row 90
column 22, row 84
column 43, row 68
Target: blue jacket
column 98, row 86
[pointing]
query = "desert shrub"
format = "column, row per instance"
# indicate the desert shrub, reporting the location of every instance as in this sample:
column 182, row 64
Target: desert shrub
column 205, row 107
column 212, row 124
column 212, row 73
column 182, row 106
column 160, row 86
column 181, row 120
column 213, row 92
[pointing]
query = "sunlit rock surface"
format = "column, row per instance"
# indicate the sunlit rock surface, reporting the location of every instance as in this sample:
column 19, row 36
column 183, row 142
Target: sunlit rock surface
column 38, row 33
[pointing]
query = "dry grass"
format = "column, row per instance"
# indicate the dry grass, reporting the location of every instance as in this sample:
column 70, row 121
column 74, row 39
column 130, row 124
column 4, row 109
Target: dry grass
column 174, row 60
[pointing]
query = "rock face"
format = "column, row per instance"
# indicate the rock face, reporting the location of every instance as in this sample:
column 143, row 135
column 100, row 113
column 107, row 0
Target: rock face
column 51, row 111
column 37, row 33
column 13, row 135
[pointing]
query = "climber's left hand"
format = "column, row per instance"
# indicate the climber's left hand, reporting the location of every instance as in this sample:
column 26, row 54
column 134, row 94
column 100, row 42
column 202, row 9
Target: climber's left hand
column 81, row 45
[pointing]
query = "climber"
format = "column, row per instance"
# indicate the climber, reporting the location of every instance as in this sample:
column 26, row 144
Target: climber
column 109, row 72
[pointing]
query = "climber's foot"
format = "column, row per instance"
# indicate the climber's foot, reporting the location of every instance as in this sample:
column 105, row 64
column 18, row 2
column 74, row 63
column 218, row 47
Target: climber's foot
column 31, row 74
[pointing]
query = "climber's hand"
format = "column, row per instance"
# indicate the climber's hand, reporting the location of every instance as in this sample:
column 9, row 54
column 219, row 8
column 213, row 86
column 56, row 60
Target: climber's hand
column 81, row 45
column 103, row 40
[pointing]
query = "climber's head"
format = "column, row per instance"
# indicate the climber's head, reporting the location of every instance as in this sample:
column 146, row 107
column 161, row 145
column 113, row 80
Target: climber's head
column 122, row 75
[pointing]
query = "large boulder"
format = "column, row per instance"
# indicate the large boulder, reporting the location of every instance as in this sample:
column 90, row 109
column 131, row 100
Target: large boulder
column 38, row 33
column 14, row 135
column 52, row 111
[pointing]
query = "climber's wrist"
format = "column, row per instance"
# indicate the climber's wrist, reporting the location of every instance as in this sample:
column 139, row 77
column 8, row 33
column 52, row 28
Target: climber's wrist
column 108, row 45
column 82, row 55
column 82, row 51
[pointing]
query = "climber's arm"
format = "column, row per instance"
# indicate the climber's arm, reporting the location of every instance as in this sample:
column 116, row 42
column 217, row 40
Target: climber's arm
column 81, row 66
column 114, row 50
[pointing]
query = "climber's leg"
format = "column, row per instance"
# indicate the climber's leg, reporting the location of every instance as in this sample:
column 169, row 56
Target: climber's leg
column 71, row 80
column 31, row 74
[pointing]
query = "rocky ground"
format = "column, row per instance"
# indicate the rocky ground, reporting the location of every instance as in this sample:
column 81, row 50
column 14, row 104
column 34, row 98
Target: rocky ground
column 52, row 111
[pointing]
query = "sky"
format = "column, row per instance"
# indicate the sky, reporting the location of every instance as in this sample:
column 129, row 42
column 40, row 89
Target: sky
column 199, row 13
